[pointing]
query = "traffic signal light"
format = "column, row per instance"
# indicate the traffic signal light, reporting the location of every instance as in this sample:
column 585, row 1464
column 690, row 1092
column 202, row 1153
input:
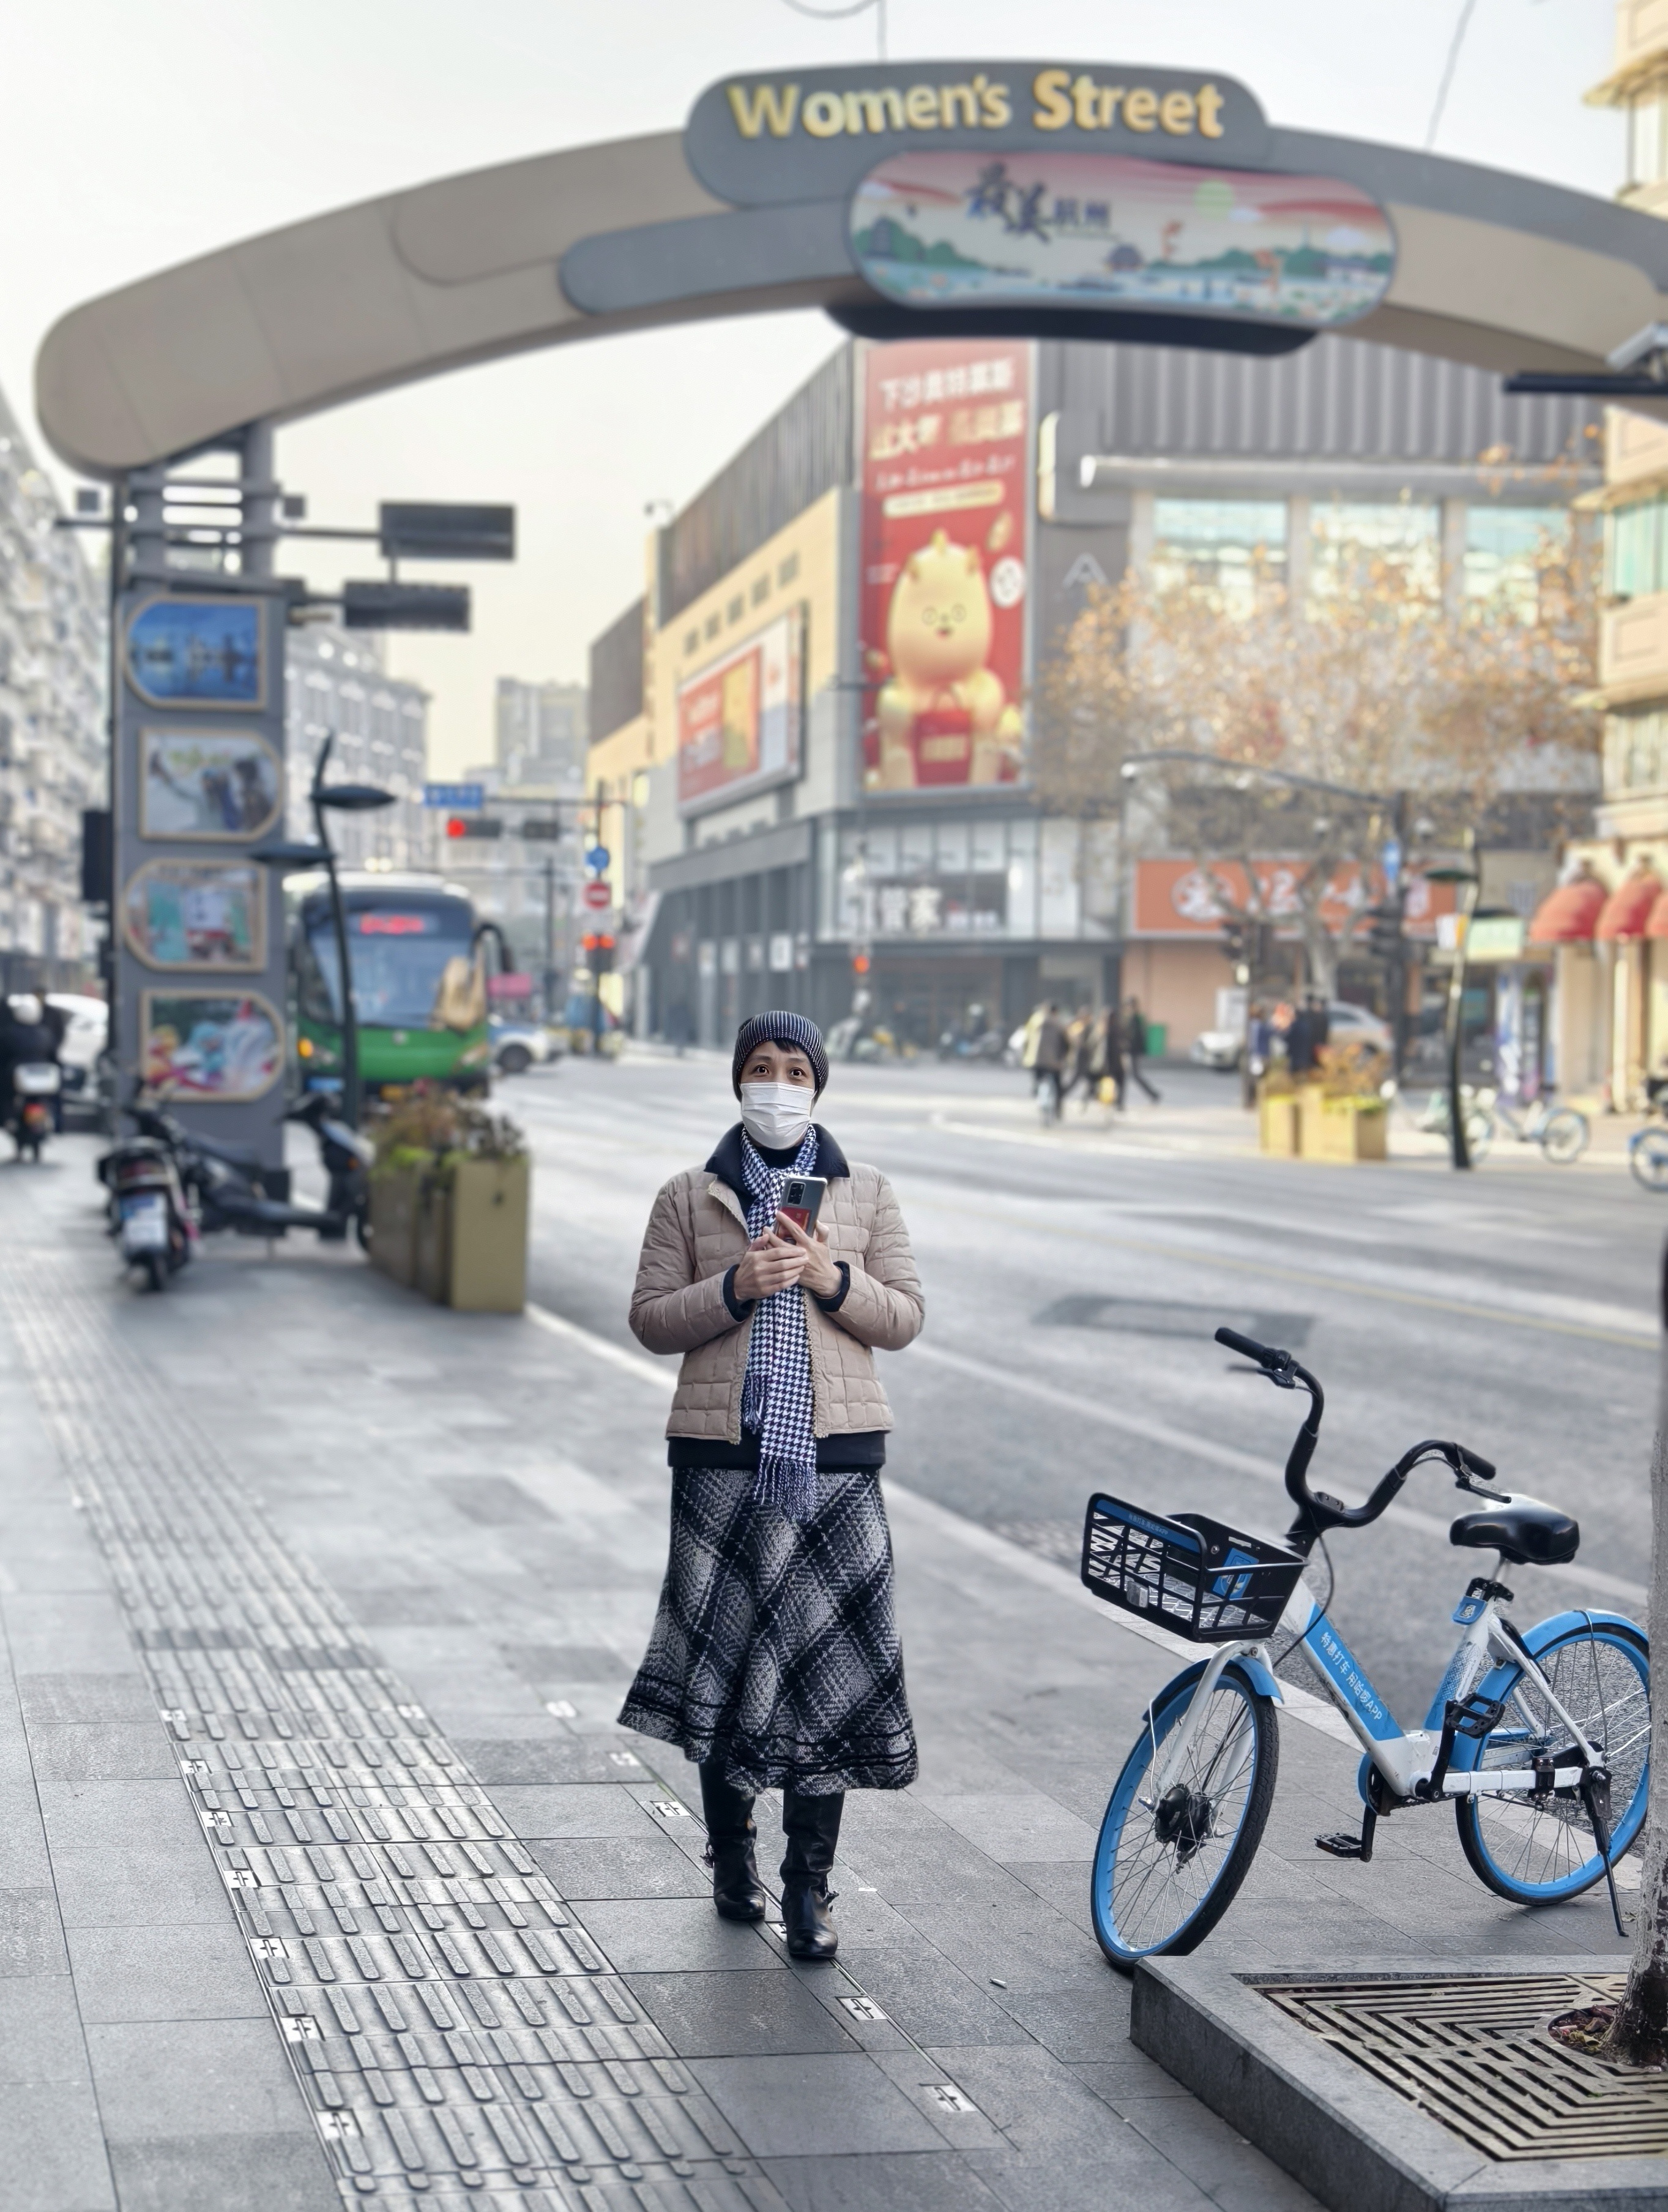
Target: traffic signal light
column 1235, row 935
column 536, row 829
column 599, row 951
column 860, row 964
column 1383, row 934
column 474, row 825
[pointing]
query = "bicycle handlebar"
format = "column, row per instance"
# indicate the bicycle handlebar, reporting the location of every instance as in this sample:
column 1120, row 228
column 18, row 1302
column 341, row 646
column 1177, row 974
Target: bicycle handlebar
column 1318, row 1511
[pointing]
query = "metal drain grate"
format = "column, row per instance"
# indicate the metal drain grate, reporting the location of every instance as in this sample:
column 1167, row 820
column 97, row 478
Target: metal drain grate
column 457, row 2036
column 1475, row 2055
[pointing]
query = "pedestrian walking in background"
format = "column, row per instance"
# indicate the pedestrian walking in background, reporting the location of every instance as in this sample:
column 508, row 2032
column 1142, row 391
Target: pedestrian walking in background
column 1107, row 1059
column 1052, row 1053
column 1135, row 1045
column 1079, row 1046
column 1300, row 1042
column 775, row 1662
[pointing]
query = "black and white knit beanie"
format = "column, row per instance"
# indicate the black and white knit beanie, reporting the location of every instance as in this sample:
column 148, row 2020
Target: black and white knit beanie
column 792, row 1032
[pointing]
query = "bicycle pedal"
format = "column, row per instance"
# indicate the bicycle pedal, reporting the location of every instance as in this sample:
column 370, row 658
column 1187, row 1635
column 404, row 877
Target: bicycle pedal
column 1344, row 1845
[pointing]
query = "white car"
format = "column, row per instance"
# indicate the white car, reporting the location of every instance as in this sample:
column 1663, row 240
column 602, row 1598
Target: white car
column 518, row 1046
column 87, row 1032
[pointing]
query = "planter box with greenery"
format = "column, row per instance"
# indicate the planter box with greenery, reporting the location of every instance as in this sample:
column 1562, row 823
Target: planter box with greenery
column 449, row 1201
column 1276, row 1120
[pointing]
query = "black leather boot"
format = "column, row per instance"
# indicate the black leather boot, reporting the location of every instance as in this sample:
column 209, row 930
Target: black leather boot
column 813, row 1830
column 730, row 1832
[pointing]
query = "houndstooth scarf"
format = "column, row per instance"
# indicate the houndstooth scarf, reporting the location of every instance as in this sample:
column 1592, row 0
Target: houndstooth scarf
column 776, row 1392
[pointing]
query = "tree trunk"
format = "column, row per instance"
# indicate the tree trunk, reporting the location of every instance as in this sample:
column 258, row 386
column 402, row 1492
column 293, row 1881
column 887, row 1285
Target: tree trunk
column 1640, row 2032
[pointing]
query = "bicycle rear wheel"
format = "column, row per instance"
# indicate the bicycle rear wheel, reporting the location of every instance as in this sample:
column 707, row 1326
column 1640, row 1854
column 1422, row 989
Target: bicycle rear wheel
column 1564, row 1135
column 1539, row 1850
column 1166, row 1872
column 1647, row 1157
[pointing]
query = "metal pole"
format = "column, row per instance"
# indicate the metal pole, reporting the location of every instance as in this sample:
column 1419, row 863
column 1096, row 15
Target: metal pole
column 1459, row 1151
column 549, row 936
column 109, row 964
column 339, row 925
column 596, row 955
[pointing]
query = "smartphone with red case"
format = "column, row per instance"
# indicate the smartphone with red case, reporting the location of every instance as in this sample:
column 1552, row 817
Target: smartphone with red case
column 802, row 1200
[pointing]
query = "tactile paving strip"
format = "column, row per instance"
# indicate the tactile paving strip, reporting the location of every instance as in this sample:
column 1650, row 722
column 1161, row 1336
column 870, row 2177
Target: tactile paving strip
column 457, row 2036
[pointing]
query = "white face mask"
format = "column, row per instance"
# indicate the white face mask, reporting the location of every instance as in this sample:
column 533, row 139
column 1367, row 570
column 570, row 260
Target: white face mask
column 776, row 1115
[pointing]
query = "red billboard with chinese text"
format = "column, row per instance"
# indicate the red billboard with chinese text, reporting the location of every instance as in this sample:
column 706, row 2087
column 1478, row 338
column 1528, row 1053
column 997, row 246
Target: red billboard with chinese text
column 1182, row 898
column 946, row 509
column 739, row 719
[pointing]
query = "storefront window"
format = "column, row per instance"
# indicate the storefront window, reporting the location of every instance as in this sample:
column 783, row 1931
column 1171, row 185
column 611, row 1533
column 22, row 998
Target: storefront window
column 1234, row 546
column 1506, row 548
column 1354, row 539
column 1633, row 550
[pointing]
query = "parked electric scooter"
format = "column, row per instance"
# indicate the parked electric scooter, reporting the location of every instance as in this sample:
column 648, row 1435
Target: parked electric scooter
column 220, row 1185
column 150, row 1216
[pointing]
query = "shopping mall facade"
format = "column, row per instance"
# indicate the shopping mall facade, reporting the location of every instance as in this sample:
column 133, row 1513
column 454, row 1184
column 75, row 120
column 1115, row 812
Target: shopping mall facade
column 812, row 728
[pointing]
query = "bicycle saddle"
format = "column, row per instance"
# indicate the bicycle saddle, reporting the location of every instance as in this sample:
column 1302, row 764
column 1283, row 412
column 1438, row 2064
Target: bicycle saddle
column 1527, row 1533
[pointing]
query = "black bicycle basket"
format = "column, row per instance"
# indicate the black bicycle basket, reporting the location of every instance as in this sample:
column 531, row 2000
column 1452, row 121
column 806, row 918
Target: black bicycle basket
column 1202, row 1580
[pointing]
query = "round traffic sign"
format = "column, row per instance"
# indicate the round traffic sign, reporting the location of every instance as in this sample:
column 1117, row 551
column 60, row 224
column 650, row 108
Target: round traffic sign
column 598, row 896
column 596, row 857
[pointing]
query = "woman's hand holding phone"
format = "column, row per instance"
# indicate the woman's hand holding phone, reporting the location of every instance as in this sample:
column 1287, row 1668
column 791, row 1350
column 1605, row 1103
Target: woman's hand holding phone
column 819, row 1273
column 784, row 1255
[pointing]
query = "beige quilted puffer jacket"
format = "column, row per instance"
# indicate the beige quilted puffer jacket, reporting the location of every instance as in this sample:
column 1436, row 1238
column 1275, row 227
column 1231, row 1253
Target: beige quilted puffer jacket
column 697, row 1232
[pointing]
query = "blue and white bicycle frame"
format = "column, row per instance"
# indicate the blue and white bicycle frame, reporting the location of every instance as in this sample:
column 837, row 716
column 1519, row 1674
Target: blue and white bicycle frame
column 1487, row 1659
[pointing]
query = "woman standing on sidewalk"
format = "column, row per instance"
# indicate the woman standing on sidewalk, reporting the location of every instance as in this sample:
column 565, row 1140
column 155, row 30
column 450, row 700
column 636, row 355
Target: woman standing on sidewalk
column 775, row 1660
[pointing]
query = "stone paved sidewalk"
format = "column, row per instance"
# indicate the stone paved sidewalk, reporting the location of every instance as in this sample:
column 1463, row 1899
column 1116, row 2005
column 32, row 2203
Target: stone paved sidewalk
column 385, row 1908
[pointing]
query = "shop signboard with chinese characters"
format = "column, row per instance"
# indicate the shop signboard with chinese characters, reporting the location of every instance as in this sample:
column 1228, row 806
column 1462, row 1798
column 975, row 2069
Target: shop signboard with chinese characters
column 1089, row 230
column 945, row 554
column 741, row 718
column 1185, row 898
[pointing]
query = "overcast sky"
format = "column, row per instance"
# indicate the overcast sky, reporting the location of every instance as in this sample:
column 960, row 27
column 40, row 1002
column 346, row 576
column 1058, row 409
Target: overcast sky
column 139, row 136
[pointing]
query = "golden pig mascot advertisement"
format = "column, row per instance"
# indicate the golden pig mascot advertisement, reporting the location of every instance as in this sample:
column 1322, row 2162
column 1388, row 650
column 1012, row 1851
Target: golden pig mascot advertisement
column 946, row 492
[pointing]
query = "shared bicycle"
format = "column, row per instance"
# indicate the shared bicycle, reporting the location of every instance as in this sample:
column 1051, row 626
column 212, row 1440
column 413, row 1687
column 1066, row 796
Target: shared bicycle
column 1540, row 1741
column 1562, row 1132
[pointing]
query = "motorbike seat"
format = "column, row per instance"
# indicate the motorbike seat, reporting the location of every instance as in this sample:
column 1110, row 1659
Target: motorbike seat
column 1526, row 1531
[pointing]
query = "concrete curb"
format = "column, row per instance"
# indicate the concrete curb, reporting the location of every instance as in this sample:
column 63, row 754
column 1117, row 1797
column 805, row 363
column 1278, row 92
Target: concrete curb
column 1351, row 2142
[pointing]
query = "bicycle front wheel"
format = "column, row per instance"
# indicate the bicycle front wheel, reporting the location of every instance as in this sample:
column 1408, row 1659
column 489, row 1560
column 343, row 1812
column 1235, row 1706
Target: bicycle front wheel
column 1480, row 1131
column 1539, row 1850
column 1167, row 1869
column 1647, row 1157
column 1564, row 1136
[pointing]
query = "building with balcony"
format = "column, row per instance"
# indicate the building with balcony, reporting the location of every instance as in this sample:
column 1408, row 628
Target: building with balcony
column 53, row 742
column 794, row 817
column 1612, row 949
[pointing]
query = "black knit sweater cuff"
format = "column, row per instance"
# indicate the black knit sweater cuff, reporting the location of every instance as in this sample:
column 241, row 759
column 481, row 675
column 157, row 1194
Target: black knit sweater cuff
column 739, row 1307
column 833, row 1303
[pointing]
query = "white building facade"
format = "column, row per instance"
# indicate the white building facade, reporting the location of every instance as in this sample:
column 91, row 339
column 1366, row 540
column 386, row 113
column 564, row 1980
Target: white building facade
column 337, row 682
column 53, row 740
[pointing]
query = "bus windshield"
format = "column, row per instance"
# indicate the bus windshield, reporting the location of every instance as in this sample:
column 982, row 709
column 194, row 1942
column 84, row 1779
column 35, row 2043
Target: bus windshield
column 399, row 957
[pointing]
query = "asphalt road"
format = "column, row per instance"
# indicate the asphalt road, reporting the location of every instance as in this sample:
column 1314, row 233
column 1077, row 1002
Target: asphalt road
column 1073, row 1283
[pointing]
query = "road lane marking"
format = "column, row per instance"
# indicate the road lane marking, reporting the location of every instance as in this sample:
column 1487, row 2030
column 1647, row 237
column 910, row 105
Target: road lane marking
column 1644, row 1341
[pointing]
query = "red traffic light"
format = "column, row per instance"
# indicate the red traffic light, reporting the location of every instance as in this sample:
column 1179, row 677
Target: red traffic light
column 456, row 826
column 597, row 944
column 860, row 964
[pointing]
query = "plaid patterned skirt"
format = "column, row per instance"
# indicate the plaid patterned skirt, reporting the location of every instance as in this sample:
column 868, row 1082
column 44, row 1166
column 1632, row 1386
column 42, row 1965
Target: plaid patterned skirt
column 775, row 1648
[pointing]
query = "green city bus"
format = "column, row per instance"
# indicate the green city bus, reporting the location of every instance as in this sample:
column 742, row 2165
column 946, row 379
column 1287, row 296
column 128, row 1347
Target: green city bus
column 419, row 981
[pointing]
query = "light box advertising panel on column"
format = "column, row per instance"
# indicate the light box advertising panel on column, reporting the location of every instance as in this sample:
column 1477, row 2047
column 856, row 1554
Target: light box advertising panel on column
column 946, row 505
column 740, row 720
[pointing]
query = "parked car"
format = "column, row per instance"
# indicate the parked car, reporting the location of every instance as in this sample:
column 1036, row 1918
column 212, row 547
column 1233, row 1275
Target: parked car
column 518, row 1046
column 85, row 1033
column 1346, row 1024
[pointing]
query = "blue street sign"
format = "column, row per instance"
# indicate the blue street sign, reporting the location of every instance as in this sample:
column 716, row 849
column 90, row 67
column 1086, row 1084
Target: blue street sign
column 597, row 857
column 454, row 795
column 1390, row 859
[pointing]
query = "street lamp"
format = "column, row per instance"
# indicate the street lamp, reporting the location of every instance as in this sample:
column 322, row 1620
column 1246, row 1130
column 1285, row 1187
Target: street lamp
column 292, row 857
column 1459, row 1150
